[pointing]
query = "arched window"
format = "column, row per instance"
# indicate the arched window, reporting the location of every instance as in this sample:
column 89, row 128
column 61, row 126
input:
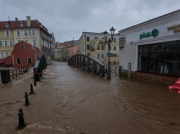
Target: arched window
column 22, row 47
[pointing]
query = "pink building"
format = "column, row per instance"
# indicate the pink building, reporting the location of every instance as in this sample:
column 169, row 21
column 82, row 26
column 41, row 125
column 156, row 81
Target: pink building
column 23, row 55
column 72, row 50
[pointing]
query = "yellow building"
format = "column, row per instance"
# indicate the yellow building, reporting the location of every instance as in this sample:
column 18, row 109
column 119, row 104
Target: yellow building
column 93, row 45
column 30, row 31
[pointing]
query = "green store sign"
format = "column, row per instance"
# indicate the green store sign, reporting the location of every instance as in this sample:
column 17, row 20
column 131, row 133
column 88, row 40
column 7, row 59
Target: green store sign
column 154, row 33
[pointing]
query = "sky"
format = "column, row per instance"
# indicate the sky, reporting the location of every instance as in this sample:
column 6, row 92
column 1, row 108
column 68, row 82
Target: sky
column 67, row 19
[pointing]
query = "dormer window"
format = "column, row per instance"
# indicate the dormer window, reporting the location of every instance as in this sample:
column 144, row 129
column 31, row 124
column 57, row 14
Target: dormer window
column 22, row 47
column 21, row 24
column 7, row 24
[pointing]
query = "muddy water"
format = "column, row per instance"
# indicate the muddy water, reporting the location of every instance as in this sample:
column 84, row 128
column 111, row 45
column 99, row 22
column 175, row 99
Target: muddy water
column 71, row 101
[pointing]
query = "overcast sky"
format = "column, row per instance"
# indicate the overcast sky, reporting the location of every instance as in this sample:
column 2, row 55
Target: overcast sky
column 67, row 19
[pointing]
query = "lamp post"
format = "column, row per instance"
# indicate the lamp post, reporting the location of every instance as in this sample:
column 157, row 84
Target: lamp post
column 109, row 40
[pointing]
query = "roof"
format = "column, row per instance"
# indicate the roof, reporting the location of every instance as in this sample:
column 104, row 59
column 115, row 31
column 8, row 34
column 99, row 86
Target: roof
column 152, row 20
column 16, row 24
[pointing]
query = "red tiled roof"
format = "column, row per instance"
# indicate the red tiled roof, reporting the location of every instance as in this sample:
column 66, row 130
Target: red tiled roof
column 16, row 24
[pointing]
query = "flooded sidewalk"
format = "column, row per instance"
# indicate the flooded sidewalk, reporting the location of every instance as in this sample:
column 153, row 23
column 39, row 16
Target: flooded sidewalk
column 70, row 101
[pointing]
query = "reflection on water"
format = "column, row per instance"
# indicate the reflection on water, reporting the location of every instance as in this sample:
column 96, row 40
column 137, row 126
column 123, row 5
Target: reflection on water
column 71, row 101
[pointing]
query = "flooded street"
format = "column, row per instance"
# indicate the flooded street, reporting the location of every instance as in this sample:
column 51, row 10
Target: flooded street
column 71, row 101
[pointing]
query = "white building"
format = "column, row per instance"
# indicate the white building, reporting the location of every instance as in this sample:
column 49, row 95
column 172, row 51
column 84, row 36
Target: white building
column 152, row 46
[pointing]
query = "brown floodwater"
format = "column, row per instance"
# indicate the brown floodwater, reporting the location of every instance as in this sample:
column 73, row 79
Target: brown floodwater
column 71, row 101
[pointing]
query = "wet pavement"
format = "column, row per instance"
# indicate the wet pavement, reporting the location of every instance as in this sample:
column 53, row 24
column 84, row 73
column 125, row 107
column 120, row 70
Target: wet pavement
column 70, row 101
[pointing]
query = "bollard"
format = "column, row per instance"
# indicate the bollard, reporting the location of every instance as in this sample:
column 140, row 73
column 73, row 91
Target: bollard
column 31, row 89
column 120, row 69
column 26, row 99
column 21, row 119
column 35, row 82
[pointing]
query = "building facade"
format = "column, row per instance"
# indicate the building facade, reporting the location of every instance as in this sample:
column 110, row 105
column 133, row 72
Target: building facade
column 23, row 55
column 72, row 50
column 153, row 46
column 30, row 31
column 93, row 45
column 59, row 49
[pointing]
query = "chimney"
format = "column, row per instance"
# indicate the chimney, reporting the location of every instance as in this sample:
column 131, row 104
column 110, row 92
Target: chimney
column 28, row 21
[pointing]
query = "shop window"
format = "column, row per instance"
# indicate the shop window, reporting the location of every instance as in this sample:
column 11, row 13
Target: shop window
column 144, row 49
column 163, row 58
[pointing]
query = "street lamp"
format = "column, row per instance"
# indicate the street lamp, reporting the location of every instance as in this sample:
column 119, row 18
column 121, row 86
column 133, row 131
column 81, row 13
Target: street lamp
column 109, row 40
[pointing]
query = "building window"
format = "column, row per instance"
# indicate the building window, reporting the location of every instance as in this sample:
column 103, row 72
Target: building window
column 22, row 47
column 11, row 43
column 88, row 47
column 34, row 42
column 2, row 55
column 5, row 43
column 29, row 60
column 7, row 33
column 25, row 32
column 88, row 54
column 26, row 41
column 6, row 54
column 88, row 39
column 98, row 56
column 96, row 38
column 1, row 44
column 160, row 58
column 98, row 47
column 7, row 24
column 18, row 33
column 114, row 47
column 18, row 61
column 33, row 32
column 114, row 39
column 102, row 47
column 102, row 56
column 21, row 24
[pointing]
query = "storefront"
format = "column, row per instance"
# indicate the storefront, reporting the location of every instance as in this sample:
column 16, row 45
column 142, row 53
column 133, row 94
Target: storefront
column 153, row 46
